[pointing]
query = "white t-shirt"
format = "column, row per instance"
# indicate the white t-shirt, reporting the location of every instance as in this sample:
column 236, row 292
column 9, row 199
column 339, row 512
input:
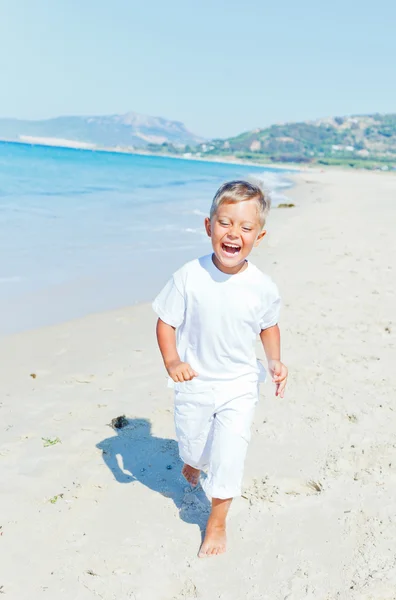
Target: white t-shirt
column 218, row 318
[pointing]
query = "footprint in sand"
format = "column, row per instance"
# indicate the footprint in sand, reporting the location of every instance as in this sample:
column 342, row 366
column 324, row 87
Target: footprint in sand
column 195, row 507
column 299, row 587
column 277, row 491
column 114, row 585
column 188, row 592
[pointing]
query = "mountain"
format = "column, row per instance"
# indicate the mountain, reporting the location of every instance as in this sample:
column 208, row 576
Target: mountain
column 130, row 130
column 356, row 140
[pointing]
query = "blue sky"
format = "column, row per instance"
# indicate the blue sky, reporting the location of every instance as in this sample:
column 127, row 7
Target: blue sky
column 221, row 67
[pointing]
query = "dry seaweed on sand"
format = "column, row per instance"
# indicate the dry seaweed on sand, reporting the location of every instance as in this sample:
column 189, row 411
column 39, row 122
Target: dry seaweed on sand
column 315, row 485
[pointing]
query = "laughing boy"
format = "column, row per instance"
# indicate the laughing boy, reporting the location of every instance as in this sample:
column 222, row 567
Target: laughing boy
column 210, row 314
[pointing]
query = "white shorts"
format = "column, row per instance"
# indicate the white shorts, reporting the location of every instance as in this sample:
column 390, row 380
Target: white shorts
column 213, row 430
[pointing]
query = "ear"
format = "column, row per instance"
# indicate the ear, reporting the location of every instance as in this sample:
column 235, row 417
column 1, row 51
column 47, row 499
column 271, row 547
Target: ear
column 260, row 237
column 208, row 227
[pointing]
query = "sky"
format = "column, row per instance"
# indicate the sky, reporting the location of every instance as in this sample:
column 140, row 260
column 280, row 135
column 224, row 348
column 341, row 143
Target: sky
column 220, row 67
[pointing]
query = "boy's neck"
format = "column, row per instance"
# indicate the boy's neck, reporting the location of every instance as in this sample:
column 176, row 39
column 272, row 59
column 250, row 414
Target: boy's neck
column 229, row 270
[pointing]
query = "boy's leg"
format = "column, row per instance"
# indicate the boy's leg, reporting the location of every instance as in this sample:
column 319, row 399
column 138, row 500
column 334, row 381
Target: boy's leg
column 215, row 534
column 231, row 435
column 193, row 423
column 192, row 474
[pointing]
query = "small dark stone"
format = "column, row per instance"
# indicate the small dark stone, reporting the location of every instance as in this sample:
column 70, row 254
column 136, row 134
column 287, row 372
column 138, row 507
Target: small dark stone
column 119, row 422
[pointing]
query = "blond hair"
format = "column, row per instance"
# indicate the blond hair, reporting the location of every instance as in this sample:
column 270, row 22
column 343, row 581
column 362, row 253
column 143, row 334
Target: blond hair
column 240, row 191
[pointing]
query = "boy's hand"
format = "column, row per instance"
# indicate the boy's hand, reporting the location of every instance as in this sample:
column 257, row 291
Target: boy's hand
column 180, row 371
column 279, row 376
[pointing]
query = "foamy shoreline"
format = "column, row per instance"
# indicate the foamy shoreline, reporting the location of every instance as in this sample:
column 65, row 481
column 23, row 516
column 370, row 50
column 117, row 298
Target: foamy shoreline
column 95, row 512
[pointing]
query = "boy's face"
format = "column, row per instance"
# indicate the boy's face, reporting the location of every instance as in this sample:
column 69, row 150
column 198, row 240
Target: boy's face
column 234, row 230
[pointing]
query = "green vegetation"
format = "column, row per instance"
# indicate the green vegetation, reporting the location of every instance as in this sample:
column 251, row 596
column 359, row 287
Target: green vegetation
column 367, row 141
column 50, row 441
column 54, row 499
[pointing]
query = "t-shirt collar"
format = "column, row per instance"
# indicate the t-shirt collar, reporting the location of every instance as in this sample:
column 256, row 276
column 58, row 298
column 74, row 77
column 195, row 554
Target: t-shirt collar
column 220, row 275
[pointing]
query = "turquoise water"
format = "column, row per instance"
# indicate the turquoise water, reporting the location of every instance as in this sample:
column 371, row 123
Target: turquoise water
column 84, row 231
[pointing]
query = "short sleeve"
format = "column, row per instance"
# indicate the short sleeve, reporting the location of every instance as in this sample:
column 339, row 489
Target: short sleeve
column 170, row 304
column 270, row 317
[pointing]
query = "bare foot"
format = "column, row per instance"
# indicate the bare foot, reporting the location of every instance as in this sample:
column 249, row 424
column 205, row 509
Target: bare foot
column 215, row 540
column 191, row 474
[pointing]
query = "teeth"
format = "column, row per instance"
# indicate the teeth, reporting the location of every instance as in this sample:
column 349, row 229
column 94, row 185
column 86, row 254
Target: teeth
column 229, row 249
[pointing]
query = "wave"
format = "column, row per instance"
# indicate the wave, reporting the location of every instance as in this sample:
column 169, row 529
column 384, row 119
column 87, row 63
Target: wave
column 273, row 183
column 174, row 183
column 77, row 192
column 271, row 180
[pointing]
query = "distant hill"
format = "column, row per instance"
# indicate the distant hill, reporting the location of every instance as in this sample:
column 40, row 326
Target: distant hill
column 355, row 140
column 129, row 131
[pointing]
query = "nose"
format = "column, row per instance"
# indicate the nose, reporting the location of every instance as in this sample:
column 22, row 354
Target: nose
column 232, row 232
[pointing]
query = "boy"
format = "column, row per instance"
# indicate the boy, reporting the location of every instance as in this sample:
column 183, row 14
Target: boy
column 210, row 314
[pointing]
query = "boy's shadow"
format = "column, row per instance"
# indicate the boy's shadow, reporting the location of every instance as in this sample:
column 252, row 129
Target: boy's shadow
column 134, row 454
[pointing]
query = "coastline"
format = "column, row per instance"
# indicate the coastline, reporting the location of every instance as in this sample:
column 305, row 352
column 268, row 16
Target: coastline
column 317, row 510
column 87, row 147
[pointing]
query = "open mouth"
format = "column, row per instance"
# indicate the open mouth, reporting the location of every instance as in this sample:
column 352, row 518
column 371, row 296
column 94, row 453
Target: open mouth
column 230, row 249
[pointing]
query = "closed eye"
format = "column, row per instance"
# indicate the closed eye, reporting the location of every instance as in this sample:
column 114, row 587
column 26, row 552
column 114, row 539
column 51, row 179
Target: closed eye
column 246, row 229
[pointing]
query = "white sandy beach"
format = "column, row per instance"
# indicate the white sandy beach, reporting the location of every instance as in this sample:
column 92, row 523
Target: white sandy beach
column 107, row 515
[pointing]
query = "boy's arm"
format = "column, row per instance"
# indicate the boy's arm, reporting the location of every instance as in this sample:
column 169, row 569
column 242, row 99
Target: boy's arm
column 270, row 339
column 177, row 370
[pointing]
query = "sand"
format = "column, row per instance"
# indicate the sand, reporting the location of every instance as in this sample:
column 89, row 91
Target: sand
column 106, row 514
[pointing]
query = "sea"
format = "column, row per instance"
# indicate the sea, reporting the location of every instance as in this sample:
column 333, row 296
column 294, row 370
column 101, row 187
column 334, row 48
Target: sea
column 85, row 231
